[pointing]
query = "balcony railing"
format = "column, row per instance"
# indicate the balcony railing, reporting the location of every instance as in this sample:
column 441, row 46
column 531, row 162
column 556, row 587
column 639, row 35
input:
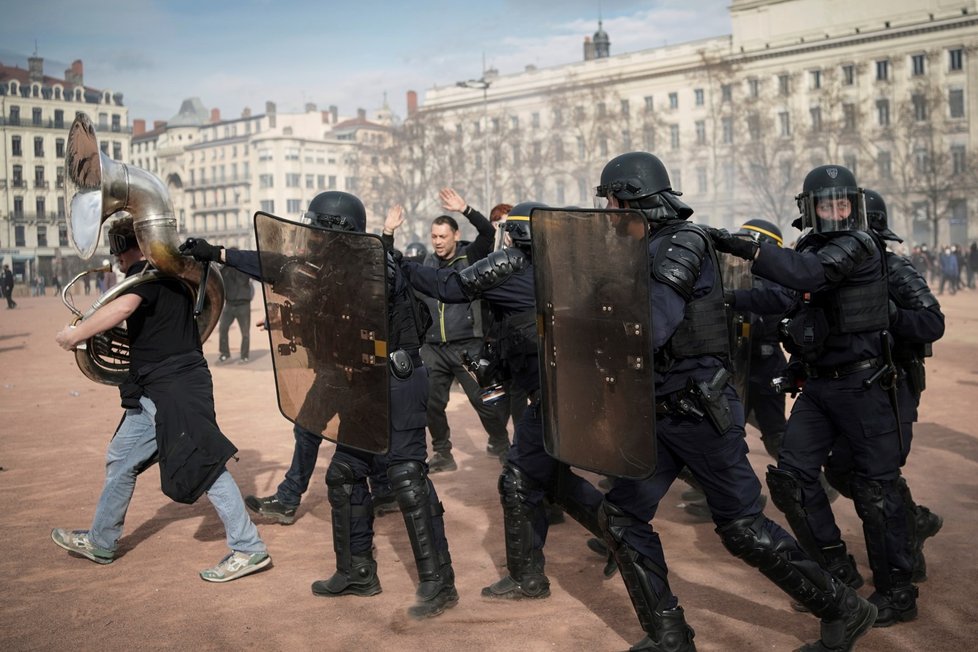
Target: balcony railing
column 56, row 124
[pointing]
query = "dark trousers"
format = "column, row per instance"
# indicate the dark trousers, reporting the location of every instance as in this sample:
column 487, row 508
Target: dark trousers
column 529, row 455
column 444, row 363
column 9, row 294
column 235, row 311
column 718, row 461
column 764, row 407
column 842, row 414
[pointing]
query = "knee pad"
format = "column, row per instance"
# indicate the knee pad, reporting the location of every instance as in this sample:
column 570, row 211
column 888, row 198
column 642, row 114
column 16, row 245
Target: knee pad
column 340, row 481
column 785, row 487
column 409, row 483
column 514, row 486
column 868, row 495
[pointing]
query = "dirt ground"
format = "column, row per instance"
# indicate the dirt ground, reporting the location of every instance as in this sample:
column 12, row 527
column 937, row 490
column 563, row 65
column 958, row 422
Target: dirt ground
column 56, row 425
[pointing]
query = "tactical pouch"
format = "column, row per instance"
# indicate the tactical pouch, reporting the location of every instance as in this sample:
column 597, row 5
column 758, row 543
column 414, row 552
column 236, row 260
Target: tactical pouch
column 713, row 402
column 804, row 332
column 916, row 376
column 401, row 365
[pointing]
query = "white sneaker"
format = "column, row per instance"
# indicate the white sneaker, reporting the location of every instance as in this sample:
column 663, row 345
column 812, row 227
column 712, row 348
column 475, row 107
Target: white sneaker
column 235, row 565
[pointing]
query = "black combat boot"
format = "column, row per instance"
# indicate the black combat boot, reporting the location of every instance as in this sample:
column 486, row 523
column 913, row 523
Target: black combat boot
column 670, row 633
column 841, row 564
column 898, row 604
column 359, row 578
column 436, row 590
column 839, row 634
column 926, row 525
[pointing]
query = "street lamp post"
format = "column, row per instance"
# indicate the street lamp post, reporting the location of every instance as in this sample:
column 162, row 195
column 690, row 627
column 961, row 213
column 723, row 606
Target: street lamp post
column 482, row 83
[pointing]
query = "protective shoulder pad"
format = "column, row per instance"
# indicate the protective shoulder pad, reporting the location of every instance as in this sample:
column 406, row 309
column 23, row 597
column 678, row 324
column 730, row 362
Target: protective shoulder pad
column 678, row 260
column 908, row 289
column 841, row 254
column 492, row 270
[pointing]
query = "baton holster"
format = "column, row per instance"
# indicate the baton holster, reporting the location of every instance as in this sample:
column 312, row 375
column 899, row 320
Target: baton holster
column 712, row 401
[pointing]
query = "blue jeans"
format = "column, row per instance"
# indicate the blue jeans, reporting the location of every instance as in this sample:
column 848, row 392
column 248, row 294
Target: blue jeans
column 130, row 452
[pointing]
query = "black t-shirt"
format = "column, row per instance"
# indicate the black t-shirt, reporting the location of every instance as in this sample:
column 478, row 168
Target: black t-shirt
column 163, row 325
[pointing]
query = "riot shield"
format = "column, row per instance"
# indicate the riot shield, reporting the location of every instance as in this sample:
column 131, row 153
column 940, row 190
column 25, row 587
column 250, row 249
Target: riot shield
column 736, row 275
column 325, row 297
column 595, row 321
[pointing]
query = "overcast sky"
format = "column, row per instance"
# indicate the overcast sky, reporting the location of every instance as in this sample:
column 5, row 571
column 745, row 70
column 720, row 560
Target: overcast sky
column 239, row 54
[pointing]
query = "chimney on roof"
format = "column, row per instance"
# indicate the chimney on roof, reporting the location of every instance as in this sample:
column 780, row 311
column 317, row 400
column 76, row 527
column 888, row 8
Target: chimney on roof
column 76, row 73
column 334, row 113
column 270, row 108
column 361, row 114
column 138, row 127
column 35, row 66
column 588, row 49
column 215, row 115
column 412, row 103
column 324, row 117
column 158, row 124
column 246, row 112
column 310, row 107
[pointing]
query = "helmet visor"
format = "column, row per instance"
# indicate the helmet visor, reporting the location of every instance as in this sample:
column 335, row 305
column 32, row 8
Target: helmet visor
column 835, row 209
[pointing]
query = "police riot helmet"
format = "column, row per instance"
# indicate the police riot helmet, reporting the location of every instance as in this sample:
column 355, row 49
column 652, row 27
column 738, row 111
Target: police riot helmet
column 761, row 231
column 337, row 210
column 640, row 180
column 517, row 225
column 831, row 201
column 415, row 251
column 877, row 216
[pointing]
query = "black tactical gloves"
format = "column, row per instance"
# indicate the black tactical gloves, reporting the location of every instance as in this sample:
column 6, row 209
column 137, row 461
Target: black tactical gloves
column 733, row 245
column 201, row 250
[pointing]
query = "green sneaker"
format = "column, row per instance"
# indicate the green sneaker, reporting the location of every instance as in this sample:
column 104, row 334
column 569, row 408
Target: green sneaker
column 79, row 542
column 235, row 565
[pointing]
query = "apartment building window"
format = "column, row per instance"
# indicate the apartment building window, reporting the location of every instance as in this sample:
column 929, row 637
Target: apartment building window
column 292, row 180
column 15, row 115
column 267, row 206
column 19, row 239
column 816, row 113
column 648, row 104
column 61, row 206
column 351, row 184
column 848, row 117
column 626, row 140
column 320, row 181
column 264, row 154
column 754, row 126
column 36, row 116
column 558, row 117
column 727, row 127
column 59, row 118
column 784, row 85
column 921, row 160
column 59, row 179
column 848, row 74
column 673, row 100
column 955, row 59
column 918, row 63
column 18, row 208
column 784, row 119
column 674, row 136
column 310, row 182
column 291, row 153
column 18, row 176
column 477, row 127
column 535, row 119
column 42, row 235
column 815, row 79
column 332, row 181
column 625, row 112
column 959, row 159
column 919, row 102
column 15, row 149
column 700, row 132
column 293, row 206
column 955, row 102
column 883, row 70
column 559, row 148
column 516, row 154
column 495, row 125
column 754, row 87
column 117, row 151
column 883, row 112
column 38, row 146
column 264, row 180
column 116, row 122
column 648, row 138
column 726, row 93
column 701, row 181
column 699, row 97
column 514, row 122
column 38, row 176
column 59, row 147
column 62, row 235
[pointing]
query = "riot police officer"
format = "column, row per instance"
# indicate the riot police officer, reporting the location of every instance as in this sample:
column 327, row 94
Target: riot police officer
column 504, row 282
column 700, row 424
column 346, row 477
column 837, row 329
column 916, row 322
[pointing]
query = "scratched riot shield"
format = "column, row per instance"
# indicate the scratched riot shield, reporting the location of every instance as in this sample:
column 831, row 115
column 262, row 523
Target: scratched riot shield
column 736, row 275
column 595, row 323
column 325, row 301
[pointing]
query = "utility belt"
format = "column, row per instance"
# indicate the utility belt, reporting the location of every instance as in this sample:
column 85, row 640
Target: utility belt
column 701, row 399
column 403, row 362
column 840, row 371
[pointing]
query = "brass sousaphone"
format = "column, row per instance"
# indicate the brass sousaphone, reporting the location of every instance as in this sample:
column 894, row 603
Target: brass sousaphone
column 96, row 188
